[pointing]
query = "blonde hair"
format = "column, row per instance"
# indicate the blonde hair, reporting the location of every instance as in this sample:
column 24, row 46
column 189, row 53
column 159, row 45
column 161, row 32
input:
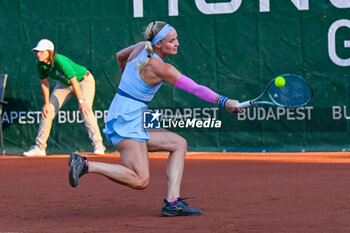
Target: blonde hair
column 151, row 31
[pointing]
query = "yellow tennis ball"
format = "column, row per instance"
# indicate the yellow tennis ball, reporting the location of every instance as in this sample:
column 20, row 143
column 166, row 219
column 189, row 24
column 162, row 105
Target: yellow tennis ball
column 280, row 81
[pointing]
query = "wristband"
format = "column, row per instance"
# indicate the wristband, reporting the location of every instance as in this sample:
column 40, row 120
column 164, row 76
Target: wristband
column 222, row 101
column 81, row 101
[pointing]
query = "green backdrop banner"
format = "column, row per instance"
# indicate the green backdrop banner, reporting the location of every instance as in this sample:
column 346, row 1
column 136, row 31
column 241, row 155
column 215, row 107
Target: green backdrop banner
column 234, row 47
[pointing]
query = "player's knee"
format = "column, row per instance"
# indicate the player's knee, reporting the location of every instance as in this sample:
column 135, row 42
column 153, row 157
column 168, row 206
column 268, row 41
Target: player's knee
column 181, row 144
column 141, row 183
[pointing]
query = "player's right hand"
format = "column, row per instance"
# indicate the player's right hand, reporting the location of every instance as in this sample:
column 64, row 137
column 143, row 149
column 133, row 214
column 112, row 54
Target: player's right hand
column 232, row 106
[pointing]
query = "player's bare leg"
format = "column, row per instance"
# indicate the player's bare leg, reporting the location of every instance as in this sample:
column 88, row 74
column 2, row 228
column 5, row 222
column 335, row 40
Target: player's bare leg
column 134, row 170
column 161, row 140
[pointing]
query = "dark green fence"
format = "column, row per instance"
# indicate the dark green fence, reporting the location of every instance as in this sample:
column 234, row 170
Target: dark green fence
column 234, row 47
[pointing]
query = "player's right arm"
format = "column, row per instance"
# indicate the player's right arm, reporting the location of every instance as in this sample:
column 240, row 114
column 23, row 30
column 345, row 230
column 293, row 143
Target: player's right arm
column 45, row 87
column 171, row 75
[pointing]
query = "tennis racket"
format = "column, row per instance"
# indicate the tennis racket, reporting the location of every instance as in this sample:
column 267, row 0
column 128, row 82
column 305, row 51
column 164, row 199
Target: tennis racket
column 295, row 93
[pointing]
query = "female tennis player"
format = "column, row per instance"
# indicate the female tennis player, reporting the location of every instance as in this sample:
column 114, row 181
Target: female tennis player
column 143, row 73
column 71, row 79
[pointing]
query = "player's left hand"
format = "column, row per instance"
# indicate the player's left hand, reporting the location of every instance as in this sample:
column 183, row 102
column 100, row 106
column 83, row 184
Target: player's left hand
column 232, row 106
column 84, row 108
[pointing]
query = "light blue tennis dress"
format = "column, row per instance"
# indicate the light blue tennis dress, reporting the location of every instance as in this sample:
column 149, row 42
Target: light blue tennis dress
column 125, row 114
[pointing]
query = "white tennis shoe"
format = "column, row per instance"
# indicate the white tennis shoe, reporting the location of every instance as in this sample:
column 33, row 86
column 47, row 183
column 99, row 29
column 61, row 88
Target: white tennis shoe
column 34, row 151
column 99, row 149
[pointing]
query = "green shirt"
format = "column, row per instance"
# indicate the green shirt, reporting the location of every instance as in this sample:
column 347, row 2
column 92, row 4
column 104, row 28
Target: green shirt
column 61, row 69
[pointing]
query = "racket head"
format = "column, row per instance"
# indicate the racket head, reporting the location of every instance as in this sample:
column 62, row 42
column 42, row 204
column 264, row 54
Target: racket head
column 295, row 93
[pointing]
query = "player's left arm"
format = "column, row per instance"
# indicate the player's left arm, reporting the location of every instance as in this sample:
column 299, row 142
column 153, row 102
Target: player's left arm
column 171, row 75
column 123, row 55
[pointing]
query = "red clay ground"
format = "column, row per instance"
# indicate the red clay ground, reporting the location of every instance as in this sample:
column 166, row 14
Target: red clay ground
column 306, row 192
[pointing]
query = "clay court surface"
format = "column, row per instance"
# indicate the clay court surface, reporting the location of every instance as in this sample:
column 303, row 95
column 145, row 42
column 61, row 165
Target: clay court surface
column 239, row 192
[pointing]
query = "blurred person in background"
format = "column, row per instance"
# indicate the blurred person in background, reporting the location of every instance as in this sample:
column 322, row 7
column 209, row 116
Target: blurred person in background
column 72, row 79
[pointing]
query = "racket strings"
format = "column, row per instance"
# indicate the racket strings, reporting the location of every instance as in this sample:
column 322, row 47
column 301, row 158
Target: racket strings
column 296, row 92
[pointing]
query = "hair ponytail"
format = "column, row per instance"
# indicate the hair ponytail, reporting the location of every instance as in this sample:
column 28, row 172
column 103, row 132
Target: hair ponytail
column 149, row 50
